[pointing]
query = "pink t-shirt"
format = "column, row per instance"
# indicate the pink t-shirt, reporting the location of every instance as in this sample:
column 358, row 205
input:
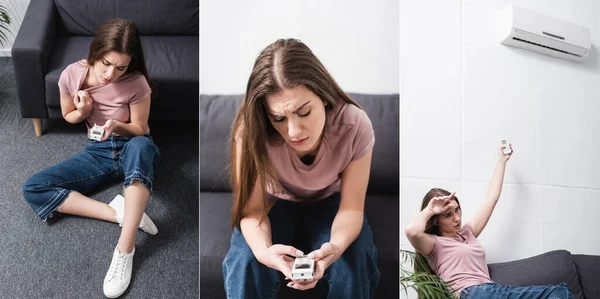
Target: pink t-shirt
column 348, row 136
column 110, row 101
column 459, row 261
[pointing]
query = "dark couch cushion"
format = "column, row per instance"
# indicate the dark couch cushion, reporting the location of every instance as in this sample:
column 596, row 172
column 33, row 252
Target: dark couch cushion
column 216, row 117
column 588, row 267
column 167, row 17
column 382, row 215
column 66, row 51
column 214, row 241
column 172, row 63
column 551, row 267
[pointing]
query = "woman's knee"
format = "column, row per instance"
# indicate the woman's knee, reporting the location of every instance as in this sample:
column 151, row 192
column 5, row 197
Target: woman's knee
column 239, row 254
column 358, row 265
column 240, row 261
column 245, row 276
column 561, row 292
column 142, row 144
column 357, row 259
column 140, row 151
column 140, row 158
column 32, row 185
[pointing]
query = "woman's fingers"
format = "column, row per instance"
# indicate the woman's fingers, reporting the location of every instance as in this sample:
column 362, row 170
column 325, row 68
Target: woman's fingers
column 439, row 204
column 440, row 199
column 83, row 96
column 325, row 250
column 302, row 286
column 285, row 249
column 76, row 98
column 285, row 268
column 447, row 198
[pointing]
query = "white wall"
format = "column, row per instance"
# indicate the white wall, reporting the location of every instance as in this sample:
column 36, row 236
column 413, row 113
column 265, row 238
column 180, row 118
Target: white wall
column 462, row 92
column 357, row 41
column 16, row 11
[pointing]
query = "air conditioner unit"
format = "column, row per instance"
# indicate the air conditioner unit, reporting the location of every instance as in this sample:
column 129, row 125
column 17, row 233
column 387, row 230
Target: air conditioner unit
column 524, row 28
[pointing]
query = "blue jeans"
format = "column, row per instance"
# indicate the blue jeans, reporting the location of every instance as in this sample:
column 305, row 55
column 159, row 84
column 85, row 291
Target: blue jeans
column 353, row 275
column 495, row 291
column 117, row 158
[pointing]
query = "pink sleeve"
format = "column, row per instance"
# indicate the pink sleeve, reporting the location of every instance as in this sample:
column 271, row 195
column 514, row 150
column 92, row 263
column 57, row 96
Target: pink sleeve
column 365, row 136
column 468, row 231
column 65, row 82
column 140, row 90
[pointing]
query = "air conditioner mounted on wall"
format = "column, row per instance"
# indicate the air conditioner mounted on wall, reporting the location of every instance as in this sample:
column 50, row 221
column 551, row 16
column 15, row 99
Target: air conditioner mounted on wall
column 530, row 30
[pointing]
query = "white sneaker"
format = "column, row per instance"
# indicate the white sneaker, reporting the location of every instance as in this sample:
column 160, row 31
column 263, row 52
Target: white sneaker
column 118, row 276
column 146, row 224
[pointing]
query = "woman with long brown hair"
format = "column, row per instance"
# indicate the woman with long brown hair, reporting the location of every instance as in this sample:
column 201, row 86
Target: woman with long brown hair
column 452, row 250
column 301, row 154
column 109, row 89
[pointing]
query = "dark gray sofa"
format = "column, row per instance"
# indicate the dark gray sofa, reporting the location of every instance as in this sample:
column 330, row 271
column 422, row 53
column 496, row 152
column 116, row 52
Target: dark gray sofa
column 580, row 272
column 55, row 33
column 382, row 203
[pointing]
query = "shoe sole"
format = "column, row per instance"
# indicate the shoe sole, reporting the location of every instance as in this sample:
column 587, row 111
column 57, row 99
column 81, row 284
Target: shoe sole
column 117, row 295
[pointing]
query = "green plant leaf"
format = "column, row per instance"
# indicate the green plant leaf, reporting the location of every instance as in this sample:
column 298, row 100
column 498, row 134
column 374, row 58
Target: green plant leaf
column 4, row 21
column 3, row 37
column 426, row 285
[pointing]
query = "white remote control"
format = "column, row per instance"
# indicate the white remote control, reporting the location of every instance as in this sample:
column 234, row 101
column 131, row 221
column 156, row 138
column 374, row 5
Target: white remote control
column 507, row 150
column 304, row 268
column 96, row 133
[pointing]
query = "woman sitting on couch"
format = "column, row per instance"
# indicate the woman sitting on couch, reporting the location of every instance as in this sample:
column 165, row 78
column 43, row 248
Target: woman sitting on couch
column 301, row 155
column 453, row 251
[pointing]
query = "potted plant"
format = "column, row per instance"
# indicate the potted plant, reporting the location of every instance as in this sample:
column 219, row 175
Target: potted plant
column 4, row 22
column 427, row 285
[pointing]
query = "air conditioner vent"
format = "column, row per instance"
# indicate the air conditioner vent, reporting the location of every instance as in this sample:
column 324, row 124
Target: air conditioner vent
column 543, row 46
column 553, row 35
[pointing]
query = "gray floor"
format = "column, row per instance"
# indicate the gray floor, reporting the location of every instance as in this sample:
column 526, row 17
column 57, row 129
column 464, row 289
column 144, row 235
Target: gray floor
column 68, row 256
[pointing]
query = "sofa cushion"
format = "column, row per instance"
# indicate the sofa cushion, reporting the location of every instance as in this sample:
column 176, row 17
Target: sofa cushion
column 168, row 17
column 215, row 234
column 551, row 267
column 216, row 118
column 588, row 268
column 66, row 51
column 172, row 63
column 383, row 215
column 218, row 111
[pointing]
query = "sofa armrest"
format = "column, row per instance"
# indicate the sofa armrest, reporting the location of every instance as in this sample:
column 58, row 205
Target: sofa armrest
column 588, row 268
column 31, row 53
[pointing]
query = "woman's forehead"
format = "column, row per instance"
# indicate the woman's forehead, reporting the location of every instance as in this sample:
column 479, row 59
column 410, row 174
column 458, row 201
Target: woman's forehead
column 288, row 100
column 117, row 58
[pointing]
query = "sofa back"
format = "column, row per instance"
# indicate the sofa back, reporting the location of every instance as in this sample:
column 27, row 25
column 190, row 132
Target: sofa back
column 152, row 17
column 216, row 117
